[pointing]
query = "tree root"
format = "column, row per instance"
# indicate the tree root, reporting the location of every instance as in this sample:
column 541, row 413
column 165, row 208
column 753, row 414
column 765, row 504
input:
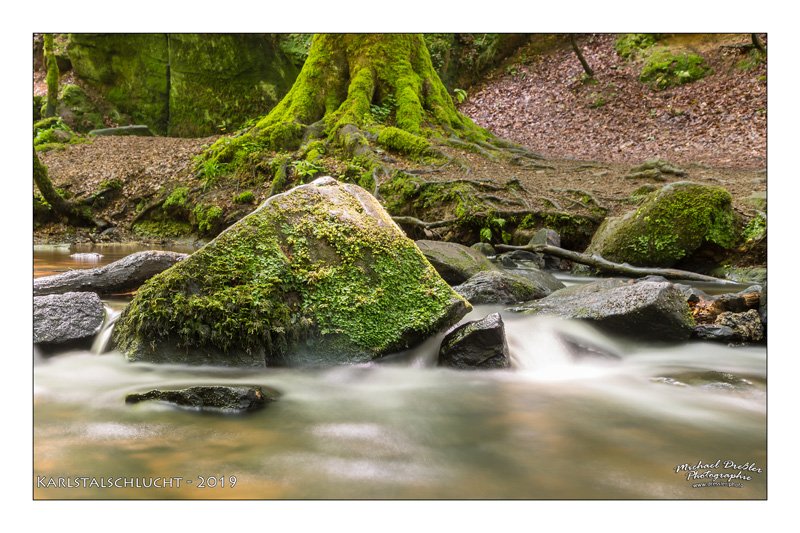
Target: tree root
column 616, row 268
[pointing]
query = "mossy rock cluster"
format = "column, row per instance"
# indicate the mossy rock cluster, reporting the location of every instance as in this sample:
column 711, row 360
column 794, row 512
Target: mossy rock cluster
column 629, row 45
column 317, row 275
column 669, row 225
column 665, row 68
column 184, row 84
column 54, row 134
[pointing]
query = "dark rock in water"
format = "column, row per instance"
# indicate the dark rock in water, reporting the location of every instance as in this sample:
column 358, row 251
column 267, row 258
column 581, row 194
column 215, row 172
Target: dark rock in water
column 124, row 275
column 485, row 248
column 713, row 380
column 540, row 278
column 644, row 309
column 513, row 258
column 67, row 318
column 480, row 344
column 762, row 307
column 713, row 332
column 210, row 398
column 747, row 325
column 580, row 349
column 137, row 130
column 454, row 262
column 497, row 287
column 318, row 275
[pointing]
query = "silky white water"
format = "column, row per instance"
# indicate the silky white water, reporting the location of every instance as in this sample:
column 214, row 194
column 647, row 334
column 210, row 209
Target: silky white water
column 581, row 415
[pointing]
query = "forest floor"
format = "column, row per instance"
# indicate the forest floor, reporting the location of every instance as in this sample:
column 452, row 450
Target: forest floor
column 714, row 129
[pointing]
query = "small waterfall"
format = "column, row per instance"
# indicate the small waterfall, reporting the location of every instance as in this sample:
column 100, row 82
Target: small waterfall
column 102, row 340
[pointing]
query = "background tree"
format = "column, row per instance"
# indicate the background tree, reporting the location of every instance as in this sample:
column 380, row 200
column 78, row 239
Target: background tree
column 575, row 48
column 52, row 75
column 355, row 93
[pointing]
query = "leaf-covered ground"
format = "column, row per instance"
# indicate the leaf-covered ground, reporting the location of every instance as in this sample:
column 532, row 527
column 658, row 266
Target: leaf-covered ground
column 542, row 103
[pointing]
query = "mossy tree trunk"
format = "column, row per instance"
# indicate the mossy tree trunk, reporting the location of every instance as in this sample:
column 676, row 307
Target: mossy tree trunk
column 52, row 76
column 74, row 214
column 356, row 90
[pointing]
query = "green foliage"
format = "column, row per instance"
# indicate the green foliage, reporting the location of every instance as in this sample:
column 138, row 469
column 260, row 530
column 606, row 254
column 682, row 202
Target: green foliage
column 304, row 169
column 460, row 95
column 663, row 69
column 755, row 229
column 494, row 225
column 295, row 46
column 52, row 133
column 381, row 113
column 630, row 44
column 111, row 185
column 753, row 60
column 244, row 197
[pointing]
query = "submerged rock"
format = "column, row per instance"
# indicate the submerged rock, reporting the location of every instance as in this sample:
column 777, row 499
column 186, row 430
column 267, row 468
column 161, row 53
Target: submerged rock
column 210, row 398
column 317, row 275
column 644, row 309
column 485, row 248
column 670, row 224
column 480, row 344
column 497, row 287
column 73, row 317
column 124, row 275
column 454, row 262
column 747, row 326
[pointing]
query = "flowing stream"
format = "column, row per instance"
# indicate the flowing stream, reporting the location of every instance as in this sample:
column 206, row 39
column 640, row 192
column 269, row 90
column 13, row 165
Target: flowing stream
column 610, row 419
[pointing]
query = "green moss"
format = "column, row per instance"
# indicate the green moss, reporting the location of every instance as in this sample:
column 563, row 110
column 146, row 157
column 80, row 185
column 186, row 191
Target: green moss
column 391, row 72
column 50, row 133
column 401, row 141
column 288, row 278
column 630, row 44
column 244, row 197
column 177, row 198
column 162, row 228
column 663, row 68
column 208, row 218
column 669, row 225
column 78, row 110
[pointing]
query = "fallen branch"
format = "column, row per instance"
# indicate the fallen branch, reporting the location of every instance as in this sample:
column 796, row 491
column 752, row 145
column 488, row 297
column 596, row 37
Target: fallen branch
column 411, row 221
column 616, row 268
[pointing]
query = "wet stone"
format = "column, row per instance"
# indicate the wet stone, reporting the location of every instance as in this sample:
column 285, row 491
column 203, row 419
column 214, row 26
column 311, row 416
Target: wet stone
column 221, row 399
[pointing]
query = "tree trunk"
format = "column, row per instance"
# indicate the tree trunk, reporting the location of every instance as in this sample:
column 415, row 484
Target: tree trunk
column 60, row 206
column 122, row 276
column 52, row 76
column 577, row 50
column 757, row 43
column 351, row 83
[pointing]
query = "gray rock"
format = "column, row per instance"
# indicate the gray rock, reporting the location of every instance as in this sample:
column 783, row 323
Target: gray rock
column 121, row 276
column 497, row 287
column 762, row 307
column 713, row 332
column 544, row 280
column 67, row 318
column 454, row 262
column 485, row 248
column 480, row 344
column 210, row 398
column 747, row 326
column 644, row 309
column 546, row 236
column 514, row 258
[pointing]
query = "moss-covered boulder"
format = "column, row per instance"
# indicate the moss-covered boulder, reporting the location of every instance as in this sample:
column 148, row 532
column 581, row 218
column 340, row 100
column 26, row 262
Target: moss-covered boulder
column 670, row 224
column 456, row 263
column 317, row 275
column 184, row 84
column 77, row 110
